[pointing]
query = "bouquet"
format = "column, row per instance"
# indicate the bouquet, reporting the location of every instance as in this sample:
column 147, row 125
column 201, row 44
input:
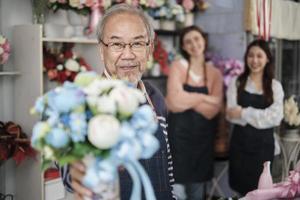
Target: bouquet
column 105, row 123
column 4, row 50
column 229, row 67
column 291, row 113
column 14, row 143
column 63, row 65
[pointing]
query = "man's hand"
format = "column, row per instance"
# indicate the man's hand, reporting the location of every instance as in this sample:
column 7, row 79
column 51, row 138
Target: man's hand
column 234, row 112
column 77, row 171
column 212, row 100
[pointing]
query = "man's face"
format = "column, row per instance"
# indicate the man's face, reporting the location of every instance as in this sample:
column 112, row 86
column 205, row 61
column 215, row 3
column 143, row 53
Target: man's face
column 128, row 63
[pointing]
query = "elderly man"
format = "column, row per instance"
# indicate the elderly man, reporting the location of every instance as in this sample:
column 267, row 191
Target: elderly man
column 126, row 43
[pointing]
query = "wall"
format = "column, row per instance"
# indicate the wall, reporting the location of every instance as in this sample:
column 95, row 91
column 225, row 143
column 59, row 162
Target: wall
column 223, row 21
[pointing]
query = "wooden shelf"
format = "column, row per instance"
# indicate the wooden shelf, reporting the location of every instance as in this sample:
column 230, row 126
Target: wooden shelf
column 166, row 32
column 72, row 40
column 9, row 73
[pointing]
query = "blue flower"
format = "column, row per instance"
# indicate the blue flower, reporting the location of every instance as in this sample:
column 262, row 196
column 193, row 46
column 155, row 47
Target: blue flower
column 127, row 130
column 143, row 118
column 78, row 126
column 57, row 138
column 66, row 98
column 40, row 129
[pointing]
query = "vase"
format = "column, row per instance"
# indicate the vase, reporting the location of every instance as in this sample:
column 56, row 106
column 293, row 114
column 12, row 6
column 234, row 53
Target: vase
column 55, row 24
column 79, row 22
column 155, row 71
column 59, row 17
column 168, row 25
column 291, row 134
column 189, row 19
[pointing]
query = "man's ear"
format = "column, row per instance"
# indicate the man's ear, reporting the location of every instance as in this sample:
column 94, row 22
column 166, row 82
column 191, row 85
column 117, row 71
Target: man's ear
column 101, row 52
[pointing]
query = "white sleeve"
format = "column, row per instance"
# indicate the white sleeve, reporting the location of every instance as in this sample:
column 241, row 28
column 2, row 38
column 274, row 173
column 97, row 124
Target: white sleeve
column 231, row 101
column 270, row 116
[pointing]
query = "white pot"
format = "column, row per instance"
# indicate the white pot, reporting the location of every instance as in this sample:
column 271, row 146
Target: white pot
column 58, row 18
column 189, row 19
column 79, row 22
column 155, row 71
column 167, row 25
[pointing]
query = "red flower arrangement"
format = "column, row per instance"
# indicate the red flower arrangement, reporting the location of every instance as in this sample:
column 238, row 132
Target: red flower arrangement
column 14, row 143
column 64, row 65
column 160, row 55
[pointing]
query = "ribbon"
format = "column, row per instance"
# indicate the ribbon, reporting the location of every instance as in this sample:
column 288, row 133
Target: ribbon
column 95, row 16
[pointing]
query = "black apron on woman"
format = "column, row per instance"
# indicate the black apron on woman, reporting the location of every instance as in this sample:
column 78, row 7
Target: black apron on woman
column 249, row 149
column 191, row 138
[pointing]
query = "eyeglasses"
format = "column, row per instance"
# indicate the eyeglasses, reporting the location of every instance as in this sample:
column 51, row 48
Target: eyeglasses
column 120, row 46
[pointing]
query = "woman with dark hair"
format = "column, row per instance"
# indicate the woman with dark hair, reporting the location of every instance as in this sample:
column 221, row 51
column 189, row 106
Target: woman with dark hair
column 194, row 98
column 255, row 107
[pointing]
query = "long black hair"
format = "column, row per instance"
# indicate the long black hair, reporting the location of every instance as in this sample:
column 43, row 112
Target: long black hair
column 268, row 73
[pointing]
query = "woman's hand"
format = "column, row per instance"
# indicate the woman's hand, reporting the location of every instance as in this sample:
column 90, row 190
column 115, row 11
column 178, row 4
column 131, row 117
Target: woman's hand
column 234, row 112
column 77, row 171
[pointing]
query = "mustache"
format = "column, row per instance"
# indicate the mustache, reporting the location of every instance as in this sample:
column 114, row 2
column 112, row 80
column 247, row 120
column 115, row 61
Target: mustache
column 127, row 64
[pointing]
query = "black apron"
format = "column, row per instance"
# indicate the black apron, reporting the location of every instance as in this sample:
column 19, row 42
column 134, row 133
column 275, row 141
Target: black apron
column 249, row 149
column 191, row 138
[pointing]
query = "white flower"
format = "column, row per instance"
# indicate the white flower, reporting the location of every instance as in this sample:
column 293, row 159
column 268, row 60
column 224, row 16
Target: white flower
column 291, row 112
column 1, row 50
column 60, row 67
column 103, row 131
column 2, row 39
column 83, row 68
column 72, row 65
column 75, row 3
column 106, row 104
column 126, row 101
column 48, row 153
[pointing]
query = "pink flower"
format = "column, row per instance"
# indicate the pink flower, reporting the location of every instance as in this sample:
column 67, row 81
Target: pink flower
column 6, row 46
column 4, row 57
column 89, row 3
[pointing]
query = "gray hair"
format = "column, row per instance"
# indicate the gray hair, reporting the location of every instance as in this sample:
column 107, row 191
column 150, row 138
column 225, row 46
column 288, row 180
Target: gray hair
column 125, row 8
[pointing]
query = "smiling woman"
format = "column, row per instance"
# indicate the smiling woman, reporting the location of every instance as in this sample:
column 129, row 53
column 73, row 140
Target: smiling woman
column 255, row 107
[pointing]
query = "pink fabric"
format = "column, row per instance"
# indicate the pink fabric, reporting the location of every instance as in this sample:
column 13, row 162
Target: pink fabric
column 288, row 189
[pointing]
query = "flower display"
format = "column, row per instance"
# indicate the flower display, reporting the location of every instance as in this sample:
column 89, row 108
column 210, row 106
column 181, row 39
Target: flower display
column 160, row 56
column 63, row 65
column 14, row 143
column 229, row 67
column 105, row 123
column 83, row 7
column 4, row 50
column 291, row 112
column 193, row 5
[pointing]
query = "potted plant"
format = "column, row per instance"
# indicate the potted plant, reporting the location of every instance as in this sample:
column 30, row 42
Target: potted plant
column 291, row 117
